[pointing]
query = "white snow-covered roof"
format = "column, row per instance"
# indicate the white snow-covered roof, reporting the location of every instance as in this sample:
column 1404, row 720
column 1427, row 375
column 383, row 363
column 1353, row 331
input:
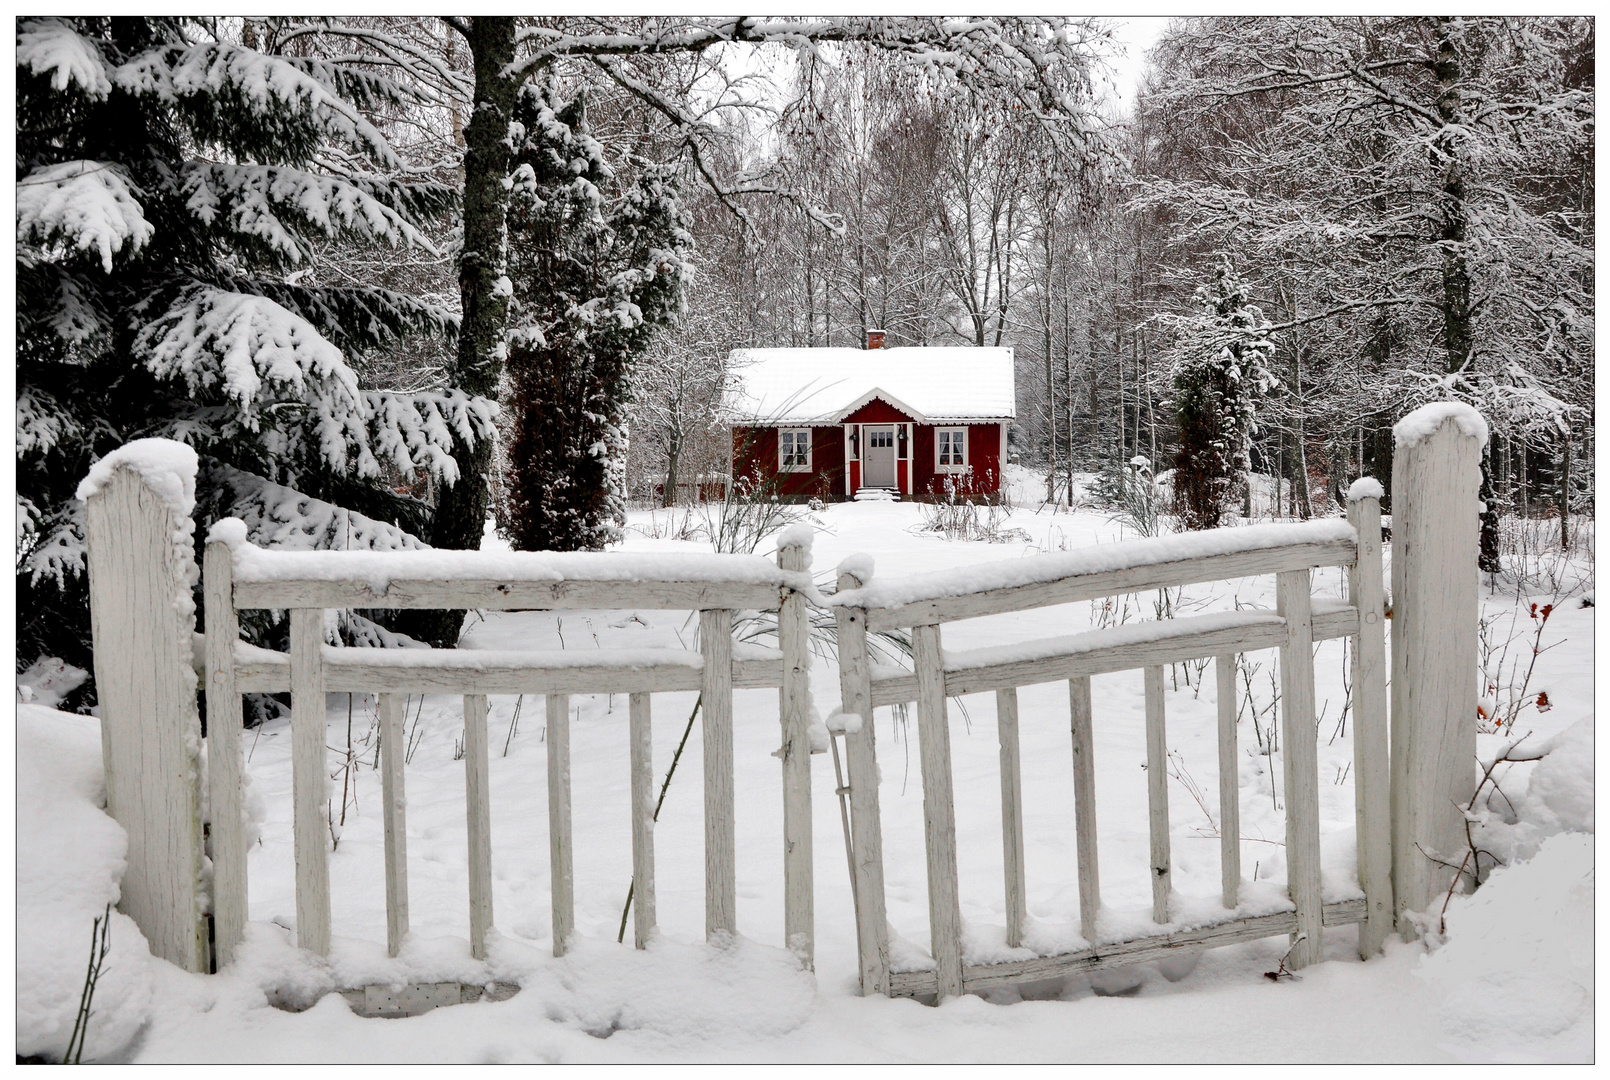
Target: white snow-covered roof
column 823, row 386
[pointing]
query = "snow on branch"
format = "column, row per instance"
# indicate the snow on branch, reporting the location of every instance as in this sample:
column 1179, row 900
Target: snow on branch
column 276, row 516
column 223, row 85
column 278, row 207
column 51, row 48
column 84, row 205
column 415, row 431
column 42, row 422
column 264, row 360
column 1041, row 63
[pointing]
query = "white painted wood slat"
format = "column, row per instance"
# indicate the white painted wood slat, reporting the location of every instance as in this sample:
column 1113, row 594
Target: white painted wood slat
column 1157, row 794
column 1011, row 816
column 1301, row 757
column 720, row 813
column 866, row 829
column 1112, row 583
column 977, row 977
column 1084, row 806
column 1372, row 777
column 642, row 762
column 310, row 781
column 794, row 711
column 224, row 764
column 478, row 820
column 939, row 810
column 503, row 595
column 394, row 816
column 561, row 842
column 1229, row 783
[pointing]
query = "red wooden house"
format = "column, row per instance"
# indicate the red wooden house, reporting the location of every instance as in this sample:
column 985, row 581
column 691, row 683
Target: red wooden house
column 831, row 422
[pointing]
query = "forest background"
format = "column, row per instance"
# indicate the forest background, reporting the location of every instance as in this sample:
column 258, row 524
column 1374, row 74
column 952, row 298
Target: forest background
column 1294, row 231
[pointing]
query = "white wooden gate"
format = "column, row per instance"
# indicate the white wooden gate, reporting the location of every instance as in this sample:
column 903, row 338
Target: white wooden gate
column 140, row 569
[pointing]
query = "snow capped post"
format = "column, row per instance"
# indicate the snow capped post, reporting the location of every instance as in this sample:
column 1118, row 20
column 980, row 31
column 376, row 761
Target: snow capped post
column 794, row 709
column 1436, row 475
column 142, row 568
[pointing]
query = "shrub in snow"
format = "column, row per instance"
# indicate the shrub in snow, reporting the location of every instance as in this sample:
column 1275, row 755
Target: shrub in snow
column 171, row 191
column 1219, row 373
column 597, row 265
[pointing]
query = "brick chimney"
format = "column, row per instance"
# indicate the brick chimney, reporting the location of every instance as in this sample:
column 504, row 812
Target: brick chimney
column 874, row 339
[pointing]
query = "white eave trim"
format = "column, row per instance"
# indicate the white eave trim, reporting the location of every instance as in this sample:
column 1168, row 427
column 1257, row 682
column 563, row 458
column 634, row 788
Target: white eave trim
column 884, row 396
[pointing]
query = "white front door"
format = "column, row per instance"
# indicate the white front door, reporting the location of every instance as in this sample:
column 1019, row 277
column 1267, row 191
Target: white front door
column 877, row 457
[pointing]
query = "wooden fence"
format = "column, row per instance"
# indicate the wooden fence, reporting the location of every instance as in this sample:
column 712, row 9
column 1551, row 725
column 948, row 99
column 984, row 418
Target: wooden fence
column 1408, row 776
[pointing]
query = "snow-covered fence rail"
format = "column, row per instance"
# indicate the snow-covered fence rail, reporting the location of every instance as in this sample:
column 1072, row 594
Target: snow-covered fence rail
column 240, row 576
column 924, row 603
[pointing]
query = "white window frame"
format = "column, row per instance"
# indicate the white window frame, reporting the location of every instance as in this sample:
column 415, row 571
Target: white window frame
column 939, row 465
column 782, row 459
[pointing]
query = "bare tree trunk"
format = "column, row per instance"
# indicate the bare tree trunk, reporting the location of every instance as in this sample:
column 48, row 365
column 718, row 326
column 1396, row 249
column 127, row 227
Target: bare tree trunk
column 461, row 508
column 1565, row 498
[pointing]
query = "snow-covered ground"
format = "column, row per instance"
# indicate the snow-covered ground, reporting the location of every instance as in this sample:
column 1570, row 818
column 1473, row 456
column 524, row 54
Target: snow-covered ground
column 1512, row 981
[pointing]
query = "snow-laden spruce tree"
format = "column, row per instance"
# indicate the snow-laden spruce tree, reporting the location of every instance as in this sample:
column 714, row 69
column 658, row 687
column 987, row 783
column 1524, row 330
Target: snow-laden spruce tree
column 1220, row 371
column 598, row 263
column 169, row 186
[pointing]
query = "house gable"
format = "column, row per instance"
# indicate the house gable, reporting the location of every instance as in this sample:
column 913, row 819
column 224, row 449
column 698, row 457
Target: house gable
column 879, row 411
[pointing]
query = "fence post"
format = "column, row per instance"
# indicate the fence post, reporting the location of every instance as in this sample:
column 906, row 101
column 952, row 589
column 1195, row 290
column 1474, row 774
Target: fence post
column 860, row 751
column 1436, row 476
column 794, row 710
column 142, row 568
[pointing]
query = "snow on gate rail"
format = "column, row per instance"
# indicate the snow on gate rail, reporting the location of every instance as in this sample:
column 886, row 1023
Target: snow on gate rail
column 924, row 602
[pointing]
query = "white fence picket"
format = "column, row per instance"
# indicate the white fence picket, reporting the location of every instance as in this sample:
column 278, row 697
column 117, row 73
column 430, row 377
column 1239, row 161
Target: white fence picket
column 1157, row 794
column 1011, row 816
column 1372, row 778
column 1084, row 806
column 310, row 781
column 394, row 815
column 720, row 813
column 794, row 709
column 224, row 764
column 642, row 763
column 1300, row 752
column 561, row 842
column 939, row 810
column 478, row 821
column 1229, row 783
column 866, row 828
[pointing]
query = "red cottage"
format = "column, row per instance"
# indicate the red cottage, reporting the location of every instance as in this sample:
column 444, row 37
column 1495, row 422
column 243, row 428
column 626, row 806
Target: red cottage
column 831, row 422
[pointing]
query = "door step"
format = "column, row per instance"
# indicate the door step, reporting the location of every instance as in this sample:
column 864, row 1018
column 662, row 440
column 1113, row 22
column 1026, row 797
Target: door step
column 877, row 494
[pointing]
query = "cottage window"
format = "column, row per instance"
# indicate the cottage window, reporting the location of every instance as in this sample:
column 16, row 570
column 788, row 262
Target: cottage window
column 794, row 450
column 950, row 449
